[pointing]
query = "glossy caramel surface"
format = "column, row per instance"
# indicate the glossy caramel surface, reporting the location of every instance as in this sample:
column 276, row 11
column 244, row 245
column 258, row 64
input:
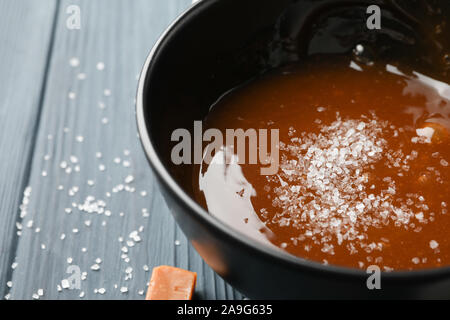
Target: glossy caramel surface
column 364, row 171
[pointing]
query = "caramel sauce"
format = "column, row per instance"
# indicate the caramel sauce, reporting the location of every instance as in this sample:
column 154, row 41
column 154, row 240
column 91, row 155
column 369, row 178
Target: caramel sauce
column 364, row 170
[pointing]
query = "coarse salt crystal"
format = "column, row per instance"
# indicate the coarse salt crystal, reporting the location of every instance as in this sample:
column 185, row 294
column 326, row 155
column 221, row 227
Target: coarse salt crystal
column 100, row 66
column 434, row 244
column 74, row 62
column 65, row 284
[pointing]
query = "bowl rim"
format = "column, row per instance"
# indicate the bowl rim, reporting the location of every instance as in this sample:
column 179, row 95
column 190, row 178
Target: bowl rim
column 277, row 256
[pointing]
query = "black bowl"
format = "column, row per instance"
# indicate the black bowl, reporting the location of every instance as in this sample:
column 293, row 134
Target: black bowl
column 219, row 44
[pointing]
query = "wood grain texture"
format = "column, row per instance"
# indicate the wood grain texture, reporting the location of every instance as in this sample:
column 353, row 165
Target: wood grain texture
column 25, row 36
column 82, row 116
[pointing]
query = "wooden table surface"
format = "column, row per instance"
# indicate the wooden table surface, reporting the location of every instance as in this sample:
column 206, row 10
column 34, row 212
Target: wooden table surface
column 75, row 188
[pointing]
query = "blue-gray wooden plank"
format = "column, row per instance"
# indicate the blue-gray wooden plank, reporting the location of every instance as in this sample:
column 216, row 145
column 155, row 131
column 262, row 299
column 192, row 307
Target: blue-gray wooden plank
column 87, row 111
column 25, row 36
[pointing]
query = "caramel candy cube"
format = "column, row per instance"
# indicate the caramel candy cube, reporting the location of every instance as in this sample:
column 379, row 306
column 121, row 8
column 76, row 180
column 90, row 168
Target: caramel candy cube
column 170, row 283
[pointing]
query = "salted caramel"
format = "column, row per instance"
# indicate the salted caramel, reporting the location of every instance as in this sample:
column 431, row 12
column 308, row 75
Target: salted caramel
column 363, row 175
